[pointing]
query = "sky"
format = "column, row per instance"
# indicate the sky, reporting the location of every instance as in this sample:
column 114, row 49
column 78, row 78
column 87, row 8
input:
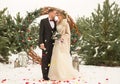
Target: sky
column 74, row 8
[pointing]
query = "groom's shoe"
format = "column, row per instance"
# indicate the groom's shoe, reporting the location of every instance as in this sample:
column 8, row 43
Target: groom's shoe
column 46, row 78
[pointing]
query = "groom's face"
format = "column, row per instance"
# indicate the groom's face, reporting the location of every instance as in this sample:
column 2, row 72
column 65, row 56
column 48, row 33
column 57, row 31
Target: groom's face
column 53, row 13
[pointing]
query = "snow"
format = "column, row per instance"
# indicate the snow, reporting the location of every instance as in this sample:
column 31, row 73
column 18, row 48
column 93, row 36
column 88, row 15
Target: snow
column 32, row 75
column 100, row 74
column 17, row 75
column 96, row 51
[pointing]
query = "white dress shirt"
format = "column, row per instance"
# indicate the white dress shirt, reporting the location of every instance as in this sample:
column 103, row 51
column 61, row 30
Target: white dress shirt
column 52, row 24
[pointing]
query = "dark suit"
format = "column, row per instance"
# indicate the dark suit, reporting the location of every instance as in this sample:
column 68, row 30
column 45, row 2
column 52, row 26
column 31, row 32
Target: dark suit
column 45, row 34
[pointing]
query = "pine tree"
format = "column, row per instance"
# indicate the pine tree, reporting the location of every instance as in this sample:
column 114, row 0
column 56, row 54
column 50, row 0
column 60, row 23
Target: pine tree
column 26, row 34
column 100, row 41
column 17, row 34
column 5, row 27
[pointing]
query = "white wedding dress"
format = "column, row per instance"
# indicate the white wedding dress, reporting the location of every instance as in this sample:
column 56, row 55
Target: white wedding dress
column 61, row 62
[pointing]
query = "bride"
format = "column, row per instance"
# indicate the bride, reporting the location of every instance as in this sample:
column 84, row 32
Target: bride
column 61, row 62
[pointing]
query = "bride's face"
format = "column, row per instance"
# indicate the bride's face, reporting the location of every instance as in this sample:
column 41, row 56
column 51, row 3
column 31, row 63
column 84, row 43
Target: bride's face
column 56, row 18
column 59, row 18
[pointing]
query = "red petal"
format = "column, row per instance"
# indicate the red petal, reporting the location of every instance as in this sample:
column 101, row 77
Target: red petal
column 99, row 83
column 107, row 79
column 27, row 83
column 3, row 80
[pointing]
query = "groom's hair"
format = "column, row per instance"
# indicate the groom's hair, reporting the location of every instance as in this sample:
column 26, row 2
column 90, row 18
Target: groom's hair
column 51, row 10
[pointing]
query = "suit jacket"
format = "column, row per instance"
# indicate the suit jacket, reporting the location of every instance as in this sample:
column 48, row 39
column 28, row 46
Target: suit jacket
column 45, row 32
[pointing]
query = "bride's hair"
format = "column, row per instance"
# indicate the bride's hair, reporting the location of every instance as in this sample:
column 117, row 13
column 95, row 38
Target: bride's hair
column 69, row 20
column 63, row 14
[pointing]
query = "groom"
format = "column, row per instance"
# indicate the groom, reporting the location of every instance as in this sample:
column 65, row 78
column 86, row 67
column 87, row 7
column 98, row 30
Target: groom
column 46, row 43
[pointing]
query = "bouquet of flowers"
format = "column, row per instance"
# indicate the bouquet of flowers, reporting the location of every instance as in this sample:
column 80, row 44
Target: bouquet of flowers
column 56, row 35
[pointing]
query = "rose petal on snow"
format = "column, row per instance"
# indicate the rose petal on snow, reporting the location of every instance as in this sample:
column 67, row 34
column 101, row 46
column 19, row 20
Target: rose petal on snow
column 26, row 82
column 3, row 80
column 107, row 79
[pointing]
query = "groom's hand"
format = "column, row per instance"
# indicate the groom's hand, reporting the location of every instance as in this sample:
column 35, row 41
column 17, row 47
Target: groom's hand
column 42, row 46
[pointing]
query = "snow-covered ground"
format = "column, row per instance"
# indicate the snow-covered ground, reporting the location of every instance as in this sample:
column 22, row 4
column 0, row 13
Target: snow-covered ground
column 32, row 75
